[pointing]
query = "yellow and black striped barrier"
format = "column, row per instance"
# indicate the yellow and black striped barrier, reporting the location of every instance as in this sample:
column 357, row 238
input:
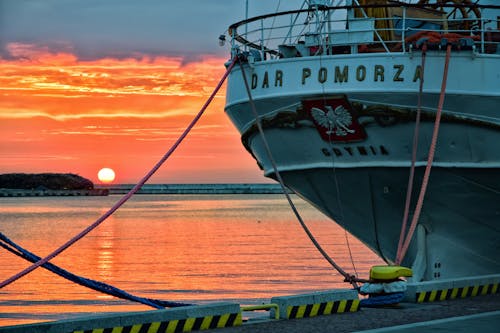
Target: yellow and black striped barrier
column 458, row 292
column 183, row 319
column 317, row 304
column 172, row 326
column 325, row 308
column 448, row 289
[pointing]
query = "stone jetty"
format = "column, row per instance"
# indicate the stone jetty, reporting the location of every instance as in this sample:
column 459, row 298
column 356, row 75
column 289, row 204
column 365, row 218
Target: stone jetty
column 195, row 188
column 4, row 192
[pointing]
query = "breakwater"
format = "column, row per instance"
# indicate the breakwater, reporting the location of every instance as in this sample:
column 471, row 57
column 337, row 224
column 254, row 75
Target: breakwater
column 195, row 188
column 7, row 192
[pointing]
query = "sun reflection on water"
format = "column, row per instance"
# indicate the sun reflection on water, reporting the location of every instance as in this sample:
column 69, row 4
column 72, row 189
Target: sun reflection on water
column 193, row 249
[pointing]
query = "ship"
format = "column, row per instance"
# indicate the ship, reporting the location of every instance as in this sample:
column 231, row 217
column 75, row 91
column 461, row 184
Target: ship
column 385, row 116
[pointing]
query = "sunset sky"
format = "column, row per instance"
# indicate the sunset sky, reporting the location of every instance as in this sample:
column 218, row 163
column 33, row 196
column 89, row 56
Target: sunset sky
column 89, row 84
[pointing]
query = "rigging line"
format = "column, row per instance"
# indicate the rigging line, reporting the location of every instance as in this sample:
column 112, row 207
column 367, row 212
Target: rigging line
column 348, row 278
column 127, row 196
column 272, row 24
column 416, row 131
column 289, row 34
column 334, row 171
column 432, row 150
column 339, row 202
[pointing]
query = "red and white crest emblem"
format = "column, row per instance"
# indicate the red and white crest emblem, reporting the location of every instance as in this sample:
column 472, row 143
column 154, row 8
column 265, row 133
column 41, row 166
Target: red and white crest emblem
column 334, row 119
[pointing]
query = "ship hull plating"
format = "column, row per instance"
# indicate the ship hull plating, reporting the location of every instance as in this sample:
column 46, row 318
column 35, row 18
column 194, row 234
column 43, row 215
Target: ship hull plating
column 361, row 184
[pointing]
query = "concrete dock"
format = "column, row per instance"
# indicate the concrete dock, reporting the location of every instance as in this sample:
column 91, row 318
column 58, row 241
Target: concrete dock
column 469, row 314
column 461, row 305
column 482, row 322
column 481, row 314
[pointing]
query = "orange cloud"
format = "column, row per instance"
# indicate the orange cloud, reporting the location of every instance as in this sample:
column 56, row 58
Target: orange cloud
column 39, row 75
column 61, row 114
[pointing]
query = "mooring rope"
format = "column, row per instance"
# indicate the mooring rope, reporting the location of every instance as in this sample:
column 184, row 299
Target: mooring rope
column 102, row 287
column 127, row 196
column 347, row 277
column 432, row 149
column 416, row 132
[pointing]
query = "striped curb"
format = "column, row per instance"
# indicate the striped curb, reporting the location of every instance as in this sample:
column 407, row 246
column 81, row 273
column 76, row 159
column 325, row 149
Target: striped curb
column 441, row 290
column 452, row 293
column 172, row 326
column 319, row 309
column 182, row 319
column 317, row 304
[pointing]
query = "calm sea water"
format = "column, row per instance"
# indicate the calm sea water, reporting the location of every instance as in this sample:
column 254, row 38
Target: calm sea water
column 185, row 248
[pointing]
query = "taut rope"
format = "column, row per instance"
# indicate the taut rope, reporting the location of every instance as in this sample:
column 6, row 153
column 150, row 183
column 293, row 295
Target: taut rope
column 347, row 277
column 127, row 196
column 418, row 209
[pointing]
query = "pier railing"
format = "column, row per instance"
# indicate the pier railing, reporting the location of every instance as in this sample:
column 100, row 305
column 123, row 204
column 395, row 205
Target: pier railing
column 322, row 30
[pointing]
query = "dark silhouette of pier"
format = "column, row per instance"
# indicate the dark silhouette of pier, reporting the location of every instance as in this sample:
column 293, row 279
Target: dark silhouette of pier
column 195, row 188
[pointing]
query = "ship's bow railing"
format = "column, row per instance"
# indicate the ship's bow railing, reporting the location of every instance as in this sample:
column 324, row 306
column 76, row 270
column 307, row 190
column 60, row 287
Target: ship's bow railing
column 353, row 29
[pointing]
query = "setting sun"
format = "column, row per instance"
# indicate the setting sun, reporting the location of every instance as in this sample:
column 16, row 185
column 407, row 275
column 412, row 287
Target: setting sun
column 65, row 114
column 106, row 175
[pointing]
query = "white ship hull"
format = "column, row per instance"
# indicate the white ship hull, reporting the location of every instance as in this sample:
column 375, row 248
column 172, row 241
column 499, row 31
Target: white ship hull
column 357, row 172
column 459, row 217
